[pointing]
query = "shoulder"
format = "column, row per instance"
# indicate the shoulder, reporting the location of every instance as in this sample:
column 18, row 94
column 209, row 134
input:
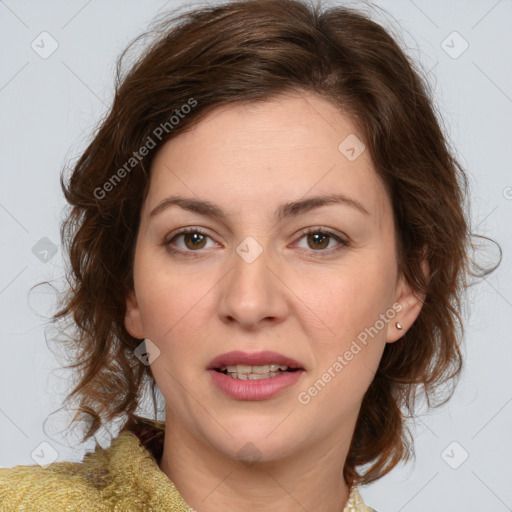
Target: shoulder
column 69, row 486
column 124, row 476
column 60, row 485
column 53, row 487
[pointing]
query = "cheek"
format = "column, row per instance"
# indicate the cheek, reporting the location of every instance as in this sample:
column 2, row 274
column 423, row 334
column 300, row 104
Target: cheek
column 174, row 315
column 157, row 288
column 347, row 357
column 355, row 297
column 173, row 304
column 357, row 311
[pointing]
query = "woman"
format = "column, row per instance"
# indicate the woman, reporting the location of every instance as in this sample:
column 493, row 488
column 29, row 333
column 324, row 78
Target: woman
column 269, row 228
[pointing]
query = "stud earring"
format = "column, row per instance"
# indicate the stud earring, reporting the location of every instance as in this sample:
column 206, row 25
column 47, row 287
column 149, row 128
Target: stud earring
column 399, row 325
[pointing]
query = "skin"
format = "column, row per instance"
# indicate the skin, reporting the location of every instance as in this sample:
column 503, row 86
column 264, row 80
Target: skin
column 249, row 159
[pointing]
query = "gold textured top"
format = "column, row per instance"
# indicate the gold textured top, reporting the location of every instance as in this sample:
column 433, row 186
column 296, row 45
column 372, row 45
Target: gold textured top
column 123, row 477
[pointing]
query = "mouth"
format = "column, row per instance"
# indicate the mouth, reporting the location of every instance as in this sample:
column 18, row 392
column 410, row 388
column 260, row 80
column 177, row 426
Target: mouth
column 254, row 366
column 254, row 376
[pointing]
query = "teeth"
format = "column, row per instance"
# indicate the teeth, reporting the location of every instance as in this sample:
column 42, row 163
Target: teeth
column 259, row 369
column 256, row 376
column 246, row 372
column 253, row 376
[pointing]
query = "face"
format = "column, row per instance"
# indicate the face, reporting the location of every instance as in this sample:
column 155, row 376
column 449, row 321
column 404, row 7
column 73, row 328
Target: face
column 247, row 276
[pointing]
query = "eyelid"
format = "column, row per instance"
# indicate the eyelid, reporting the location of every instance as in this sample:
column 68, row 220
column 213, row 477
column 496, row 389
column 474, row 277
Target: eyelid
column 185, row 230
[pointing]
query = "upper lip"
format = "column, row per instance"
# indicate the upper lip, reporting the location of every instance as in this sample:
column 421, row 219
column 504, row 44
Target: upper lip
column 252, row 359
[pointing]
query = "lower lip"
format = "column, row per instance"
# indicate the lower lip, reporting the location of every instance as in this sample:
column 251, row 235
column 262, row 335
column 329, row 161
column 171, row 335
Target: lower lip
column 259, row 389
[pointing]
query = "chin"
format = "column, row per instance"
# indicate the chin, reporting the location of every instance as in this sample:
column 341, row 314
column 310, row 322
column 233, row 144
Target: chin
column 253, row 445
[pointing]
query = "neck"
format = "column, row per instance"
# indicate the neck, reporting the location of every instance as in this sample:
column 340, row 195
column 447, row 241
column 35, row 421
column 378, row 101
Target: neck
column 210, row 481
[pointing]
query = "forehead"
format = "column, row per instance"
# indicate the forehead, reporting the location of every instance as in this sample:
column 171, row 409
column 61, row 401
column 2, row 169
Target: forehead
column 258, row 154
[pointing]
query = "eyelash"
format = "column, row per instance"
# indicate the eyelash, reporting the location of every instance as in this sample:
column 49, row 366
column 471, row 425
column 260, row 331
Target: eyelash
column 315, row 230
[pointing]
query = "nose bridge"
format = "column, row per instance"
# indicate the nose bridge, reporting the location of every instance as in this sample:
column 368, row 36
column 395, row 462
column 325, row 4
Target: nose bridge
column 252, row 290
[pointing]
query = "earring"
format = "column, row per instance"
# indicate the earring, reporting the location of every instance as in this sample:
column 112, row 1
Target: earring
column 399, row 325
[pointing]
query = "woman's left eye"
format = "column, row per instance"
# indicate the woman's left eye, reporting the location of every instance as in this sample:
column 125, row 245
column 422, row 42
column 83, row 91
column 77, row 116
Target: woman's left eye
column 317, row 239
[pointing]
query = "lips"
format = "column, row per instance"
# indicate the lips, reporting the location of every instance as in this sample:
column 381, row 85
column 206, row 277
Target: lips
column 252, row 359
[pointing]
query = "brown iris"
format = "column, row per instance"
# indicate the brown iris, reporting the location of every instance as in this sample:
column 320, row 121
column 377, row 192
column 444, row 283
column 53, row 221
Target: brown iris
column 196, row 237
column 316, row 237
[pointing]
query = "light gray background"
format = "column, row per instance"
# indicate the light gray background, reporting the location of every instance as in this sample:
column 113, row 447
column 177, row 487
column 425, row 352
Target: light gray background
column 49, row 107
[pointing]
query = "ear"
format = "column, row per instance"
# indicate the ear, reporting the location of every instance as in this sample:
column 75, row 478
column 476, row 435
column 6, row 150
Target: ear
column 132, row 319
column 411, row 304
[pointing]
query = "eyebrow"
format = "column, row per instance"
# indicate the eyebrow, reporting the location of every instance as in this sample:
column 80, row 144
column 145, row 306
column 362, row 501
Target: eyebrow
column 285, row 210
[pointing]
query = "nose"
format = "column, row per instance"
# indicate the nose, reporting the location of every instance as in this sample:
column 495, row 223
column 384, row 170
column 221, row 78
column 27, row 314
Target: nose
column 253, row 293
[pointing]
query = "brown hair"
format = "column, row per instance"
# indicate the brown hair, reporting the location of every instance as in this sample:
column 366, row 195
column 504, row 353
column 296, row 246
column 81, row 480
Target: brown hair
column 249, row 51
